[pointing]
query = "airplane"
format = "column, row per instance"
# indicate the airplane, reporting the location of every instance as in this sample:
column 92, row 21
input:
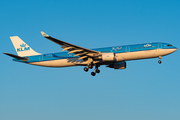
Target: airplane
column 113, row 57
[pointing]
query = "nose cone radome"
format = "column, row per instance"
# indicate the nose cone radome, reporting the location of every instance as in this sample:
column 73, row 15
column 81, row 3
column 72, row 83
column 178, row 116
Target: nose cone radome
column 169, row 51
column 174, row 49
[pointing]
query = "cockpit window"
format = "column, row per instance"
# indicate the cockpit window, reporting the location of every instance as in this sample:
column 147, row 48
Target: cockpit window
column 169, row 45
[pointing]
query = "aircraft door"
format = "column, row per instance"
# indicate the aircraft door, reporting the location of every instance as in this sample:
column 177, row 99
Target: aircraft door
column 40, row 57
column 159, row 46
column 127, row 49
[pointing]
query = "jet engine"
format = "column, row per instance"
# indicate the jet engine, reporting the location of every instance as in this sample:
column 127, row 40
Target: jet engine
column 119, row 65
column 108, row 57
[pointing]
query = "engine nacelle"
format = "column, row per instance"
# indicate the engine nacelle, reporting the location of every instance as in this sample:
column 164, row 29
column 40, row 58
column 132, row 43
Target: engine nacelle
column 119, row 65
column 108, row 57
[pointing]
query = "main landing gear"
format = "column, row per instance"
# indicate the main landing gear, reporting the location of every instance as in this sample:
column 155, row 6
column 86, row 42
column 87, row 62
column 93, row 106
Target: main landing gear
column 87, row 68
column 160, row 60
column 96, row 70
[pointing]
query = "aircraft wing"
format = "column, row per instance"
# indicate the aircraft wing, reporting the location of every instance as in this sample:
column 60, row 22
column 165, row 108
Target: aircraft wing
column 77, row 50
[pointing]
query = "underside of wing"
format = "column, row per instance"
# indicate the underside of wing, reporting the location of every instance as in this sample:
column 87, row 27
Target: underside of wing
column 83, row 53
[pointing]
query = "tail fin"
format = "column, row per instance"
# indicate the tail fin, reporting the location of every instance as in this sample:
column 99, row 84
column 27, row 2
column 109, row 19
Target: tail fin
column 22, row 48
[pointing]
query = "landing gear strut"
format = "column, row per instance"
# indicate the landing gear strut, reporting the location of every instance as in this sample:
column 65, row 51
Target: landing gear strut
column 160, row 60
column 90, row 66
column 96, row 69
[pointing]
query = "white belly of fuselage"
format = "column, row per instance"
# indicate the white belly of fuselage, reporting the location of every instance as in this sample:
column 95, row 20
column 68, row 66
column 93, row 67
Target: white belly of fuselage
column 143, row 54
column 119, row 57
column 60, row 63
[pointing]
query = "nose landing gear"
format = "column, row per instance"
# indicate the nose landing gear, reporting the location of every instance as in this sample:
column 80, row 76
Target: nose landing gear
column 160, row 60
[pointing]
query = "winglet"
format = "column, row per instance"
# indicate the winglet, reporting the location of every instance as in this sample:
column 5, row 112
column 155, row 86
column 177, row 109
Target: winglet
column 44, row 34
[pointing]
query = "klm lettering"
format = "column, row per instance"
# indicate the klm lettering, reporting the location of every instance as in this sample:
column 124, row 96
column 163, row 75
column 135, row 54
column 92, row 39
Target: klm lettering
column 23, row 48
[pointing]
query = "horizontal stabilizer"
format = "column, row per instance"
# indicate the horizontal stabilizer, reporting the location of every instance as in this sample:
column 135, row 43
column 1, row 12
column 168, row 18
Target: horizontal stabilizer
column 18, row 57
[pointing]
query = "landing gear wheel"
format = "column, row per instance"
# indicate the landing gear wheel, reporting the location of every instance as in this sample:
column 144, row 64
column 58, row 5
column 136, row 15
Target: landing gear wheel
column 159, row 62
column 86, row 69
column 93, row 73
column 97, row 70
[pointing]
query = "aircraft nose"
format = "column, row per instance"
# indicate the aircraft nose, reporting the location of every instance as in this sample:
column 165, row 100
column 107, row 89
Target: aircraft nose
column 174, row 49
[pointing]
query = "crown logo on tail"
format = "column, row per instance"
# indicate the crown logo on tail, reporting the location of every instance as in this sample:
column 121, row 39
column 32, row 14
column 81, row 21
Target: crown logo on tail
column 23, row 45
column 23, row 48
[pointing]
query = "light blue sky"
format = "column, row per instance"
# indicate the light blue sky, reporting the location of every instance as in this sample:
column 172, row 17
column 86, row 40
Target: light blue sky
column 143, row 91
